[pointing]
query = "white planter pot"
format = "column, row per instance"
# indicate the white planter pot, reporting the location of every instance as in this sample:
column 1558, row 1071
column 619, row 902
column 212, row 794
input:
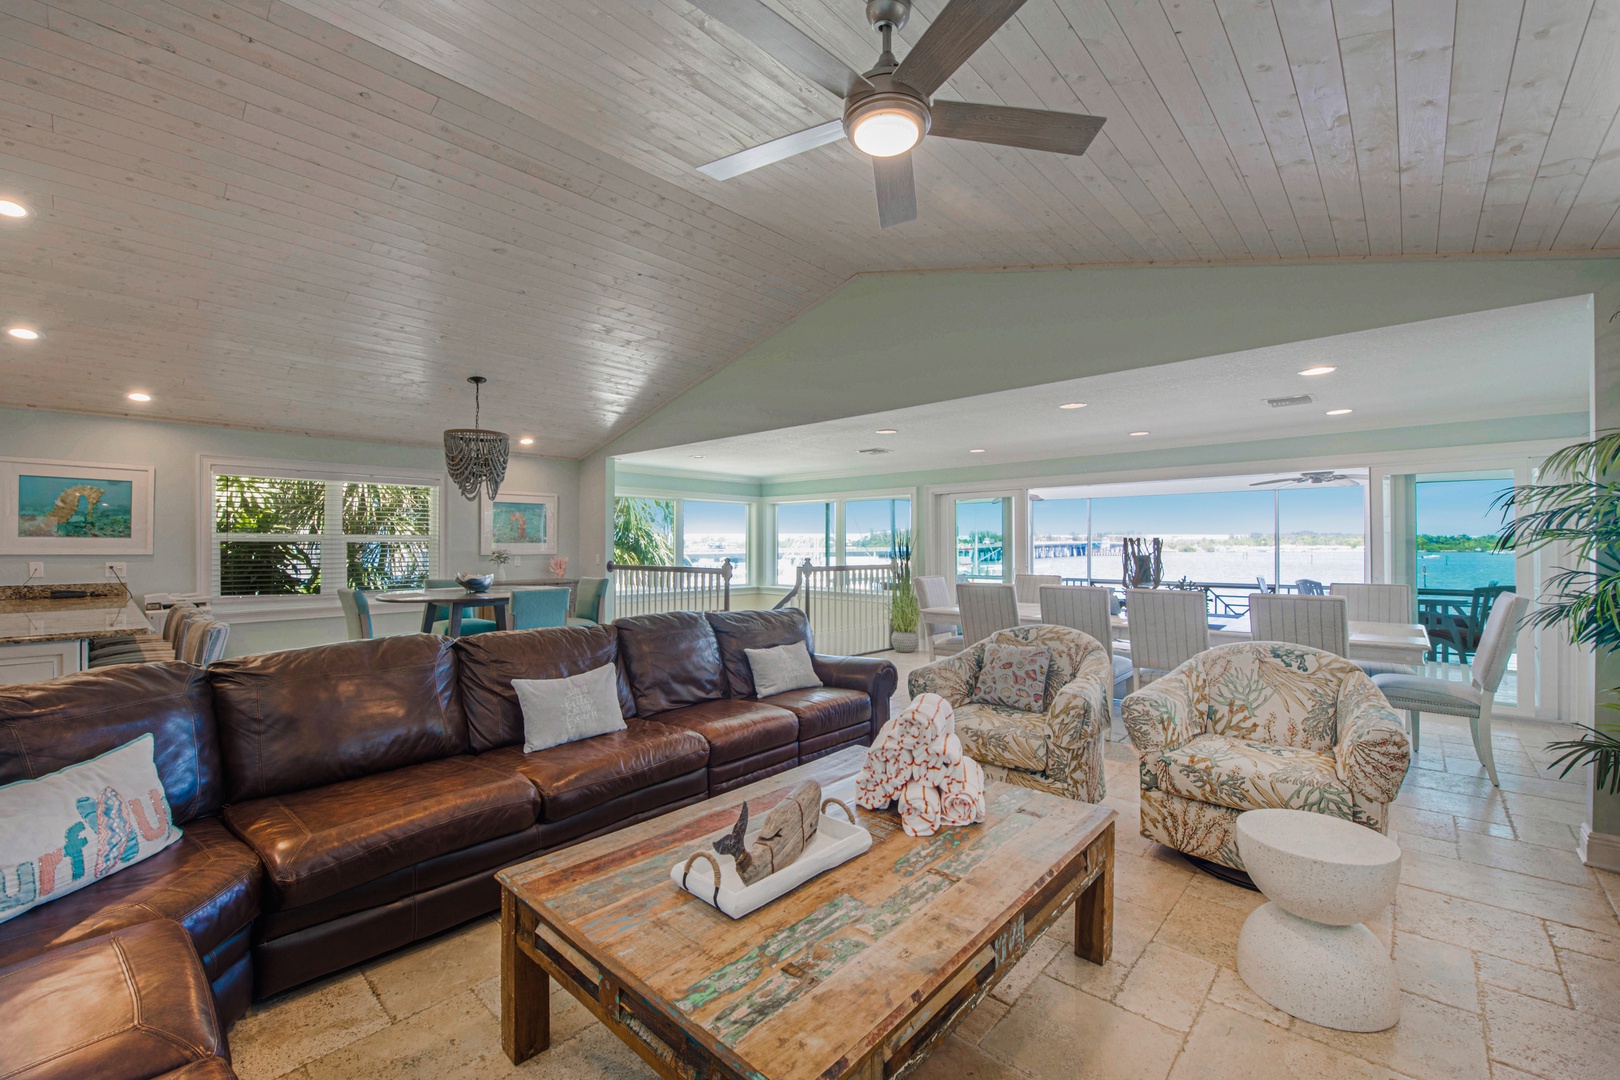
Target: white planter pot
column 903, row 641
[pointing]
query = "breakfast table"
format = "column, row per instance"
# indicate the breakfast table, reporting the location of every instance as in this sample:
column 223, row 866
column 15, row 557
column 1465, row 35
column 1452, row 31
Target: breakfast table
column 457, row 600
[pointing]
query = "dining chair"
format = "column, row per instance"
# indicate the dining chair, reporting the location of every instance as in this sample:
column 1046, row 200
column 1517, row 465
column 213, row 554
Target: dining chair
column 538, row 609
column 1086, row 608
column 944, row 639
column 1029, row 586
column 588, row 596
column 1308, row 587
column 1417, row 694
column 441, row 613
column 1317, row 621
column 356, row 614
column 986, row 608
column 1167, row 627
column 205, row 641
column 1375, row 603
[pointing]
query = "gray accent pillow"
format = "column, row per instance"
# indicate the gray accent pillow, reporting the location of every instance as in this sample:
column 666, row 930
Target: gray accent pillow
column 784, row 668
column 557, row 711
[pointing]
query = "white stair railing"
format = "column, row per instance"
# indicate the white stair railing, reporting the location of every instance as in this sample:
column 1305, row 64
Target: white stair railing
column 848, row 606
column 647, row 590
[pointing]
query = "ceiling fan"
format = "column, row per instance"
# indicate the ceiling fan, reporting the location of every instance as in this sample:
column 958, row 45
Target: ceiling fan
column 1328, row 477
column 889, row 109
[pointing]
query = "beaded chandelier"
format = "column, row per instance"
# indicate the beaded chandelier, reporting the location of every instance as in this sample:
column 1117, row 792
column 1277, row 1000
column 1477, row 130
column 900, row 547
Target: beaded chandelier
column 475, row 457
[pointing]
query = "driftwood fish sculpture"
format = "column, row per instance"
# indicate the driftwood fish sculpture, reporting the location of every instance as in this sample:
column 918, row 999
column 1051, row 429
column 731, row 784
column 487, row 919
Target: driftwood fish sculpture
column 785, row 833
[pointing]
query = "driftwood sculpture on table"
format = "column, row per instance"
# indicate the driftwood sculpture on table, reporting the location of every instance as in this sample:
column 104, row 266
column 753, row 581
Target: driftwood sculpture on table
column 786, row 831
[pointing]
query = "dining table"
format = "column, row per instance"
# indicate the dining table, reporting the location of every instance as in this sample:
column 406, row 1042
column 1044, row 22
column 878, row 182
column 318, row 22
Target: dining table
column 457, row 600
column 1375, row 642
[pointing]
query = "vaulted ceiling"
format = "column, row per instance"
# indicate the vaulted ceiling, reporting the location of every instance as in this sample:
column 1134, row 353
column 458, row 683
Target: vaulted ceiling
column 321, row 215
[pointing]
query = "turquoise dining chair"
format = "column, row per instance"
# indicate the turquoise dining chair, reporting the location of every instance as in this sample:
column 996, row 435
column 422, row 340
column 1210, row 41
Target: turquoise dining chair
column 536, row 609
column 588, row 596
column 441, row 613
column 356, row 613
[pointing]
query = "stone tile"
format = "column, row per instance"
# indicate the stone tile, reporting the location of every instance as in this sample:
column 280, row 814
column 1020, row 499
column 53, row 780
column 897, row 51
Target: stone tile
column 1549, row 1041
column 1215, row 891
column 1570, row 813
column 1533, row 859
column 1546, row 787
column 1434, row 1041
column 1479, row 786
column 1594, row 984
column 1523, row 979
column 1584, row 941
column 1445, row 849
column 976, row 1024
column 1507, row 889
column 1167, row 986
column 1150, row 883
column 1203, row 929
column 1057, row 1033
column 1409, row 820
column 1230, row 990
column 288, row 1030
column 1500, row 1071
column 1473, row 926
column 1489, row 828
column 1445, row 802
column 411, row 979
column 1553, row 834
column 1134, row 927
column 958, row 1059
column 568, row 1016
column 1228, row 1045
column 1437, row 970
column 1016, row 981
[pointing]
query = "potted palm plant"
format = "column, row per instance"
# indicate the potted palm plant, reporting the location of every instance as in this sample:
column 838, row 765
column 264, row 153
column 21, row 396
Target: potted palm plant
column 1577, row 504
column 903, row 613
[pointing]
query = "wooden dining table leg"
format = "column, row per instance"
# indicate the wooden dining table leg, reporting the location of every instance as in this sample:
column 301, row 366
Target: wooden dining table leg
column 427, row 617
column 500, row 615
column 525, row 991
column 1094, row 910
column 455, row 620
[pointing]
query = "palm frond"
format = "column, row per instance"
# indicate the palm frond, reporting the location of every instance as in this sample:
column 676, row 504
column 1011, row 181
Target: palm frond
column 1599, row 748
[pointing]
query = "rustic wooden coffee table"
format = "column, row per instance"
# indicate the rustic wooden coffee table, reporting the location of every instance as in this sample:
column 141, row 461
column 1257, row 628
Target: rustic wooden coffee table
column 857, row 973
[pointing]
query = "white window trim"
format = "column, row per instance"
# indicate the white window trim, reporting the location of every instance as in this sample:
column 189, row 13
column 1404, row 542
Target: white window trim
column 276, row 608
column 678, row 526
column 838, row 499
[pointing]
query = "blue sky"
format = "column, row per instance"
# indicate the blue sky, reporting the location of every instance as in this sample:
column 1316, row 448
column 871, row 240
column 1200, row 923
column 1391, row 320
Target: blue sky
column 1324, row 510
column 1450, row 507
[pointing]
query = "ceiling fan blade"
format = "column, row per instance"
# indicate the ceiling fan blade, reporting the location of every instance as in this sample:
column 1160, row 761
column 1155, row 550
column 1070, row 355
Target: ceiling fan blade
column 955, row 34
column 776, row 150
column 1274, row 483
column 765, row 28
column 896, row 189
column 1028, row 129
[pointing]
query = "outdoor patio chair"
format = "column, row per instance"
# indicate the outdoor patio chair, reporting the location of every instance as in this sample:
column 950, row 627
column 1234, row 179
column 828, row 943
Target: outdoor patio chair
column 986, row 608
column 1417, row 694
column 1028, row 586
column 1308, row 587
column 1317, row 621
column 944, row 638
column 1086, row 608
column 1168, row 627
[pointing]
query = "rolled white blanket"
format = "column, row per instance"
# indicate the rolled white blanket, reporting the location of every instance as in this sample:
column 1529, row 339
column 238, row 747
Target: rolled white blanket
column 917, row 760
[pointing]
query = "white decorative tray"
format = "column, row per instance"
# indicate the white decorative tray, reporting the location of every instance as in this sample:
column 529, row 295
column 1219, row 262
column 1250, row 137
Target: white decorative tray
column 836, row 841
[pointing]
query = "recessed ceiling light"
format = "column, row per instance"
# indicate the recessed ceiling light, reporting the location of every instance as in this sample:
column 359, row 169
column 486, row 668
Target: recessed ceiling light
column 23, row 333
column 12, row 209
column 1072, row 405
column 1139, row 434
column 888, row 431
column 1320, row 369
column 527, row 440
column 1339, row 412
column 977, row 450
column 136, row 395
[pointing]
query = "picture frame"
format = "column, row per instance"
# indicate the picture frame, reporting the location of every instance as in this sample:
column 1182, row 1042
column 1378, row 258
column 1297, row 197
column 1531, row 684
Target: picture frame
column 511, row 520
column 75, row 507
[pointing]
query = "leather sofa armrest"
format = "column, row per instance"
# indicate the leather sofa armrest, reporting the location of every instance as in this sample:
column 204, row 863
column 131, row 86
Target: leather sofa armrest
column 874, row 677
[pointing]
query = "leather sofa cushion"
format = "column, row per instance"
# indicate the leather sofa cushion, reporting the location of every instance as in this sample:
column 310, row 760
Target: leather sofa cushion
column 304, row 718
column 489, row 662
column 127, row 1005
column 672, row 659
column 327, row 839
column 736, row 631
column 50, row 725
column 821, row 709
column 209, row 882
column 736, row 729
column 578, row 776
column 210, row 1069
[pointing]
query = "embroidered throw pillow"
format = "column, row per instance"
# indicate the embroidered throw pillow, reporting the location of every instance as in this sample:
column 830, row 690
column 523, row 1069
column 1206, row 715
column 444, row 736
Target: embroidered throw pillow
column 784, row 668
column 557, row 711
column 1013, row 676
column 71, row 828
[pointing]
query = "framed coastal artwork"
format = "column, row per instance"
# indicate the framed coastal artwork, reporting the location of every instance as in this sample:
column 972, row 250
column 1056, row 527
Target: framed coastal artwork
column 74, row 508
column 523, row 523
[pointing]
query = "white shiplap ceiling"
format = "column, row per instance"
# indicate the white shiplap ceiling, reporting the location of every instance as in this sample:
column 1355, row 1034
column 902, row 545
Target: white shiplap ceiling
column 321, row 215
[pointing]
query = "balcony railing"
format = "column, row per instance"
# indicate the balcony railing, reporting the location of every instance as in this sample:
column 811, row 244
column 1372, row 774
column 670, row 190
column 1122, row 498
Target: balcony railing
column 848, row 606
column 647, row 590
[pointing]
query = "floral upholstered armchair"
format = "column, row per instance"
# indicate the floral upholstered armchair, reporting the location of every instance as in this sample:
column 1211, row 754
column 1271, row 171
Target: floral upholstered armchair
column 1262, row 724
column 1057, row 750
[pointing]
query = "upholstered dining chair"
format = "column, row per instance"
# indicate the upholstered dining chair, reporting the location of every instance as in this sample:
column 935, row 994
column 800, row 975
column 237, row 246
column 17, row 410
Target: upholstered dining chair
column 441, row 613
column 1317, row 621
column 1028, row 586
column 1417, row 694
column 588, row 596
column 944, row 639
column 1086, row 609
column 356, row 614
column 1167, row 627
column 986, row 608
column 144, row 648
column 1261, row 725
column 204, row 641
column 1375, row 603
column 538, row 609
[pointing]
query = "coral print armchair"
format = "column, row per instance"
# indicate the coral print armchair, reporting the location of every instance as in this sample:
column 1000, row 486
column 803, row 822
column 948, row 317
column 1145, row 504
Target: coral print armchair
column 1050, row 740
column 1262, row 724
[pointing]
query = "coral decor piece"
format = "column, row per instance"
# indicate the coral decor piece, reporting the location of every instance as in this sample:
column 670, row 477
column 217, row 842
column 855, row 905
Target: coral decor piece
column 559, row 566
column 917, row 761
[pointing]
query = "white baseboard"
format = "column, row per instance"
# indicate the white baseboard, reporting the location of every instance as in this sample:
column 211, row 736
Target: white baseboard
column 1599, row 850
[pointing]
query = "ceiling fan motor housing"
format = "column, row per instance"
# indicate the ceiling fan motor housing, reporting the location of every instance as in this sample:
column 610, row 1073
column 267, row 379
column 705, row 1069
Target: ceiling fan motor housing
column 892, row 13
column 886, row 95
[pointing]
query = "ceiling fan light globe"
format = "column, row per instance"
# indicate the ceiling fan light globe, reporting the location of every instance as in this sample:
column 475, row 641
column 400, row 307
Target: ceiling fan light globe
column 885, row 132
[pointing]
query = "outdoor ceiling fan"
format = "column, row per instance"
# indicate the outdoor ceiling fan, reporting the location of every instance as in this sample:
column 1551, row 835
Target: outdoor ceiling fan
column 889, row 109
column 1328, row 477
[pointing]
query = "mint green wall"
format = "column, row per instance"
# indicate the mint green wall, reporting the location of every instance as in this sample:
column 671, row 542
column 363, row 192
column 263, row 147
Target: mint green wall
column 629, row 478
column 174, row 451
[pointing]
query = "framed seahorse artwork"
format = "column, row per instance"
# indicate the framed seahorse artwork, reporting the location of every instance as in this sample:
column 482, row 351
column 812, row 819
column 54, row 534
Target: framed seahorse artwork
column 75, row 508
column 521, row 523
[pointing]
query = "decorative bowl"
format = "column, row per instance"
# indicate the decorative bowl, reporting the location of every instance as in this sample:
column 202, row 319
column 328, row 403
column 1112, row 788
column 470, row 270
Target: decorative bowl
column 475, row 583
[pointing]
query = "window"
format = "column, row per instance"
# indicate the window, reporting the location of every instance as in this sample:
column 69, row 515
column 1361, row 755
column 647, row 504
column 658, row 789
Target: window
column 712, row 532
column 982, row 527
column 307, row 534
column 644, row 531
column 1221, row 537
column 1321, row 534
column 1061, row 532
column 876, row 530
column 803, row 531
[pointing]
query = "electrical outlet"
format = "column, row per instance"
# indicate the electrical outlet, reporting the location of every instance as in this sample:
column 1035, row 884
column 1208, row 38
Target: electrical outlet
column 36, row 570
column 117, row 571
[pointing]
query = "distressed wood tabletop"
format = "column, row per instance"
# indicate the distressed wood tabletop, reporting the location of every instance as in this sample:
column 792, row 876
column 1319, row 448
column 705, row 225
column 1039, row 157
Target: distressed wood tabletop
column 857, row 973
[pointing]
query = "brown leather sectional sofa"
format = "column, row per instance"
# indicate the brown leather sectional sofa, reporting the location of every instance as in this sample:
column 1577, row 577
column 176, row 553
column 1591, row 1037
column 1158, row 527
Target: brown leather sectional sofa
column 341, row 801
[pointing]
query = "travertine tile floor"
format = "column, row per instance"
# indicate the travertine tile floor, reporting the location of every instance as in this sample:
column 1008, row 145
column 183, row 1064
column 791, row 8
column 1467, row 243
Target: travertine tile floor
column 1508, row 950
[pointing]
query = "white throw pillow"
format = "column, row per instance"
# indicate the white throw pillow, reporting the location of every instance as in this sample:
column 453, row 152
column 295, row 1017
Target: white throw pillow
column 557, row 711
column 71, row 828
column 784, row 668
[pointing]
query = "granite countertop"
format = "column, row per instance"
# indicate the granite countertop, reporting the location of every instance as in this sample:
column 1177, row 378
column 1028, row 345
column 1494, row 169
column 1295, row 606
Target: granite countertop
column 40, row 619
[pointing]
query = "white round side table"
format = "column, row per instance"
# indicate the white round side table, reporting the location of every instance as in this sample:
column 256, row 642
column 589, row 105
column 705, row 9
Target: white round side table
column 1306, row 951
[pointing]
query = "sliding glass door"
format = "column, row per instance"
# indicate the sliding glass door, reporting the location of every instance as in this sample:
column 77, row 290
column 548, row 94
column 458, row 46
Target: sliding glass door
column 984, row 538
